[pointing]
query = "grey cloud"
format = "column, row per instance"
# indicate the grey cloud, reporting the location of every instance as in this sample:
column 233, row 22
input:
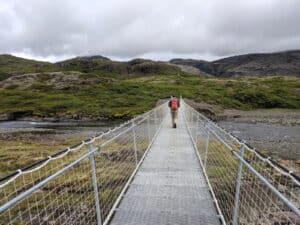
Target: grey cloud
column 159, row 29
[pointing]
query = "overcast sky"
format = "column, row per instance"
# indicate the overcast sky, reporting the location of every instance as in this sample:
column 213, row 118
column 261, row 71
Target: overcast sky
column 158, row 29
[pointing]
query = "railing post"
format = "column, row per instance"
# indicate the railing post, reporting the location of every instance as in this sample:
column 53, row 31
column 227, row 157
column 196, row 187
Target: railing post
column 197, row 128
column 134, row 143
column 238, row 188
column 206, row 149
column 95, row 186
column 148, row 125
column 155, row 119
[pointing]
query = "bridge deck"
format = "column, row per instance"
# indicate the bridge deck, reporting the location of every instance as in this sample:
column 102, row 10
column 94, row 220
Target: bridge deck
column 169, row 187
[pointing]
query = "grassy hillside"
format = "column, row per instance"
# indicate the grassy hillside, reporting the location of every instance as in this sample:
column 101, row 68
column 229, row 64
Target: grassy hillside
column 96, row 87
column 104, row 66
column 11, row 65
column 78, row 95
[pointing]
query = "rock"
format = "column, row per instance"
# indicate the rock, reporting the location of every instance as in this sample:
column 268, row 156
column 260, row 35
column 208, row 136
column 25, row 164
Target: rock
column 213, row 112
column 4, row 116
column 52, row 80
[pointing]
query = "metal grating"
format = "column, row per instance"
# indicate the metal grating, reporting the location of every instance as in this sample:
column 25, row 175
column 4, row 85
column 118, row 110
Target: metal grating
column 169, row 187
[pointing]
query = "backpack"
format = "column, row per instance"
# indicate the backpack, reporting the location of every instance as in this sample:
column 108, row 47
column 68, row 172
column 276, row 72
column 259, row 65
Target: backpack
column 174, row 104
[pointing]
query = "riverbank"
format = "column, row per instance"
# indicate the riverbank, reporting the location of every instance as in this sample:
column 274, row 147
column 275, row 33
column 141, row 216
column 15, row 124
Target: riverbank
column 24, row 142
column 274, row 132
column 281, row 142
column 57, row 117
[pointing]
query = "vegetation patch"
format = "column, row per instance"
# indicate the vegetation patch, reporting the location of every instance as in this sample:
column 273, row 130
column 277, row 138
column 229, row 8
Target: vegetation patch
column 124, row 98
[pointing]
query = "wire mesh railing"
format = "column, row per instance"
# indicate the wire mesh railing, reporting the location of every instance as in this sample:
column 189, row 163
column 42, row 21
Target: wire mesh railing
column 82, row 184
column 249, row 188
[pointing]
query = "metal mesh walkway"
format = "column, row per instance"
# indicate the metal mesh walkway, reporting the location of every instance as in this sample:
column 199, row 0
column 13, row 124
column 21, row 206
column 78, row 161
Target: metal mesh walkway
column 169, row 187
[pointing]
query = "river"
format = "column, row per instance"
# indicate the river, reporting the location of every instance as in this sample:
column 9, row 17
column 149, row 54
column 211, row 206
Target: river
column 80, row 127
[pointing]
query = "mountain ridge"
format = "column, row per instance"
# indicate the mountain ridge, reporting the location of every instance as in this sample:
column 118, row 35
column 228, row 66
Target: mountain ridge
column 252, row 64
column 286, row 63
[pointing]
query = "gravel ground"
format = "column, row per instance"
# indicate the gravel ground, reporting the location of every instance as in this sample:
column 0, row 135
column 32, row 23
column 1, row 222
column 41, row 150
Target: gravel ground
column 274, row 133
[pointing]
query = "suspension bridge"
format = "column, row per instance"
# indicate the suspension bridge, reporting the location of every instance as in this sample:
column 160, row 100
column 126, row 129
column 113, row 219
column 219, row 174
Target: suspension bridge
column 145, row 172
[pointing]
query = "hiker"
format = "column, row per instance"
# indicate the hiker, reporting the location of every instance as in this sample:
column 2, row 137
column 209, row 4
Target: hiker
column 174, row 104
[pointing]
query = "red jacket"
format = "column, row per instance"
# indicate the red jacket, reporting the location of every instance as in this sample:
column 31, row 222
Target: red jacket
column 178, row 103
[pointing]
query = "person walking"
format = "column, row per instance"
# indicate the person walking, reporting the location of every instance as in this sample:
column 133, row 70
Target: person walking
column 174, row 104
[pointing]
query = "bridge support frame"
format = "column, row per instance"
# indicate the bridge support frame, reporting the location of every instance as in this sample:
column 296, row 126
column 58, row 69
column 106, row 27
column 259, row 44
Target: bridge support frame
column 238, row 188
column 95, row 186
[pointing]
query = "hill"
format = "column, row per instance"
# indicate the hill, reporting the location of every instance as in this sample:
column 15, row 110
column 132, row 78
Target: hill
column 282, row 63
column 103, row 65
column 12, row 65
